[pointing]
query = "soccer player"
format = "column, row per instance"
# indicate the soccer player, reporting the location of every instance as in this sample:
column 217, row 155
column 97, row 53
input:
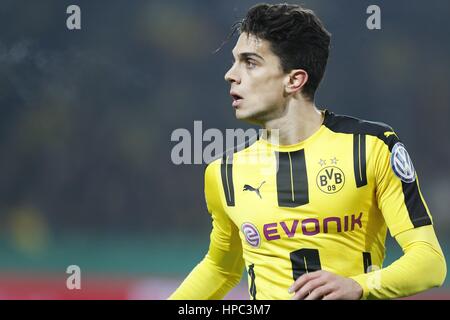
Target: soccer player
column 308, row 216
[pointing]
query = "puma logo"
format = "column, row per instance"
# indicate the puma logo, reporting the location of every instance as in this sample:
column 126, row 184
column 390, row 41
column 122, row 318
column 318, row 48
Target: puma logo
column 389, row 133
column 250, row 188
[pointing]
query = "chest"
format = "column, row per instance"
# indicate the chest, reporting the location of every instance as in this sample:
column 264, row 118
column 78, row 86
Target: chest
column 312, row 189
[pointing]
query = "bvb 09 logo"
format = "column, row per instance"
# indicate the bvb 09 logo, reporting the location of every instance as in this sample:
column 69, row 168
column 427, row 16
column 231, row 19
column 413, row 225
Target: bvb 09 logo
column 330, row 179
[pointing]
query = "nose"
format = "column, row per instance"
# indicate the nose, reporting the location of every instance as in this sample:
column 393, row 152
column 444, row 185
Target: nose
column 231, row 75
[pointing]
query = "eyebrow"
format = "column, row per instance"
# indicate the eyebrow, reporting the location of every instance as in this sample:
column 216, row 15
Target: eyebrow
column 246, row 55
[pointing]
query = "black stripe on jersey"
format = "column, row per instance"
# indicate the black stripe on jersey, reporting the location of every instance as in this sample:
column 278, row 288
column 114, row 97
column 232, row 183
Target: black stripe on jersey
column 251, row 273
column 416, row 209
column 226, row 170
column 292, row 179
column 367, row 261
column 359, row 159
column 347, row 124
column 352, row 125
column 304, row 261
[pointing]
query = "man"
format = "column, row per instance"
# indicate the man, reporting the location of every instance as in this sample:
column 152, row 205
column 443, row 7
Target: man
column 308, row 219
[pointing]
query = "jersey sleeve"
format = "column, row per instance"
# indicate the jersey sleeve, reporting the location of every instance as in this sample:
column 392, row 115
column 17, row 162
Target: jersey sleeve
column 222, row 267
column 400, row 200
column 397, row 186
column 421, row 267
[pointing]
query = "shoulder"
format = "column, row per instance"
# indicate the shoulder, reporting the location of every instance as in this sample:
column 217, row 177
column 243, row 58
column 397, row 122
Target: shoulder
column 244, row 143
column 212, row 170
column 217, row 169
column 348, row 124
column 352, row 125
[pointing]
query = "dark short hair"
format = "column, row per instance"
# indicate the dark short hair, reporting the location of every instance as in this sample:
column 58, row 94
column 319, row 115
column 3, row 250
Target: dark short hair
column 296, row 36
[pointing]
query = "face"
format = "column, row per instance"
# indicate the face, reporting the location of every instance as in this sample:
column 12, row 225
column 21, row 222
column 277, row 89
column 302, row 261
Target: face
column 257, row 80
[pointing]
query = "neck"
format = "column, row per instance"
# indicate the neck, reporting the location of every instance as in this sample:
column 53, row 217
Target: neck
column 298, row 121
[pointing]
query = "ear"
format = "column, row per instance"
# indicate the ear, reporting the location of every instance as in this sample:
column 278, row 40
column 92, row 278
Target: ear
column 295, row 80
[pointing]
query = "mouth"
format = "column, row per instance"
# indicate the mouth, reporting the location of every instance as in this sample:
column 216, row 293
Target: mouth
column 237, row 99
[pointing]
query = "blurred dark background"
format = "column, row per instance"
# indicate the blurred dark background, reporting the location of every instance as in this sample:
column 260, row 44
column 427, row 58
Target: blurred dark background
column 86, row 117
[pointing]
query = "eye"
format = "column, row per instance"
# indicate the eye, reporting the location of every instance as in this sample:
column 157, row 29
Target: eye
column 250, row 63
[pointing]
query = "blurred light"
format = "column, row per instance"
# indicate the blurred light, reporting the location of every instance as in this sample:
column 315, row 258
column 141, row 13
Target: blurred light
column 29, row 231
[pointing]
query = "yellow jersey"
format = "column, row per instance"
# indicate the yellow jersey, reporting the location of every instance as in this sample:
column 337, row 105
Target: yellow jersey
column 324, row 203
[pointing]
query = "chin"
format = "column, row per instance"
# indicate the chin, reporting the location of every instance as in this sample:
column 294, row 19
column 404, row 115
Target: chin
column 250, row 118
column 241, row 114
